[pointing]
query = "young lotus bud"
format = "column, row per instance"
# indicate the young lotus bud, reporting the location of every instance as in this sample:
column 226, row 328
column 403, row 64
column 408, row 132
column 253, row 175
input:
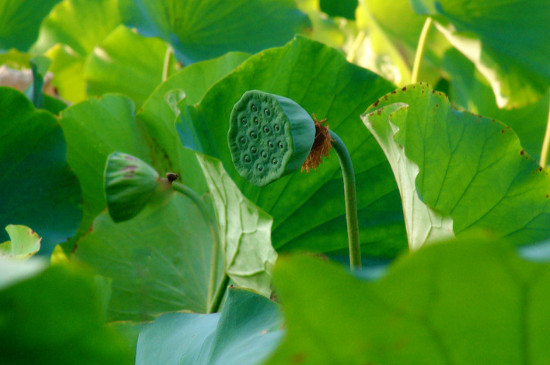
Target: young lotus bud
column 129, row 185
column 269, row 136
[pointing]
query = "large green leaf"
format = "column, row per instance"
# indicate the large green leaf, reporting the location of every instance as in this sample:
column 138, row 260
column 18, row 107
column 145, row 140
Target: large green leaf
column 471, row 90
column 308, row 209
column 68, row 70
column 333, row 32
column 79, row 24
column 97, row 127
column 246, row 230
column 38, row 188
column 20, row 21
column 158, row 261
column 343, row 8
column 159, row 112
column 194, row 80
column 392, row 34
column 130, row 331
column 24, row 242
column 203, row 29
column 55, row 317
column 249, row 256
column 187, row 86
column 399, row 21
column 128, row 63
column 470, row 302
column 245, row 332
column 71, row 32
column 94, row 129
column 508, row 41
column 457, row 171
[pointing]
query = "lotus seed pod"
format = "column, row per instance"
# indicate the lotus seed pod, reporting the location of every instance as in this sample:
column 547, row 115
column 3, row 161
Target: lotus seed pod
column 269, row 136
column 129, row 185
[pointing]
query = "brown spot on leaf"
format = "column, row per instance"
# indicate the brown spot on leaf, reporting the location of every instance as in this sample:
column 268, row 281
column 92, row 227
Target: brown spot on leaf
column 404, row 88
column 376, row 102
column 299, row 358
column 522, row 152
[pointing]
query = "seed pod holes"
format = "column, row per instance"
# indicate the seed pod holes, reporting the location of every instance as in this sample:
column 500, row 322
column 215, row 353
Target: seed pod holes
column 282, row 133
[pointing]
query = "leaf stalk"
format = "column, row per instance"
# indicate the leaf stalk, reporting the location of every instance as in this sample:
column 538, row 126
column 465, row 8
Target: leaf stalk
column 545, row 144
column 167, row 62
column 420, row 49
column 350, row 199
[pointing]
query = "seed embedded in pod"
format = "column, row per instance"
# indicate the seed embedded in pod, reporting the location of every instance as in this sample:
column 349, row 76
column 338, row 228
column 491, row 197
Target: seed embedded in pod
column 246, row 158
column 253, row 149
column 256, row 121
column 253, row 107
column 267, row 112
column 253, row 134
column 274, row 161
column 266, row 129
column 264, row 154
column 243, row 120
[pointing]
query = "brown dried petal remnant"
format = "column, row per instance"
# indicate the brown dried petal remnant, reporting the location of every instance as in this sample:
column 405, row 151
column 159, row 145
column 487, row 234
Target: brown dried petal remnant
column 321, row 145
column 171, row 176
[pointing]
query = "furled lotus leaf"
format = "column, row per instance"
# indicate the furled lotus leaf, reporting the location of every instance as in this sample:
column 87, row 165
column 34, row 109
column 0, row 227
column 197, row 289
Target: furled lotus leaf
column 269, row 136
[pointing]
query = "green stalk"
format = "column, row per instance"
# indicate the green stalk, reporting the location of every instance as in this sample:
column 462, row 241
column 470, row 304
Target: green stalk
column 351, row 201
column 167, row 61
column 218, row 296
column 420, row 48
column 545, row 145
column 215, row 295
column 352, row 54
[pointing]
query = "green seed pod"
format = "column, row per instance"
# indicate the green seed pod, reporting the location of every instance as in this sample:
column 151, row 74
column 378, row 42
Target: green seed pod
column 269, row 136
column 129, row 185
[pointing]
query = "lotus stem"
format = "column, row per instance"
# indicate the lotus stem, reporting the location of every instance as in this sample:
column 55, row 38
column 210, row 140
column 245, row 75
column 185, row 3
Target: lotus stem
column 545, row 145
column 351, row 201
column 420, row 48
column 167, row 62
